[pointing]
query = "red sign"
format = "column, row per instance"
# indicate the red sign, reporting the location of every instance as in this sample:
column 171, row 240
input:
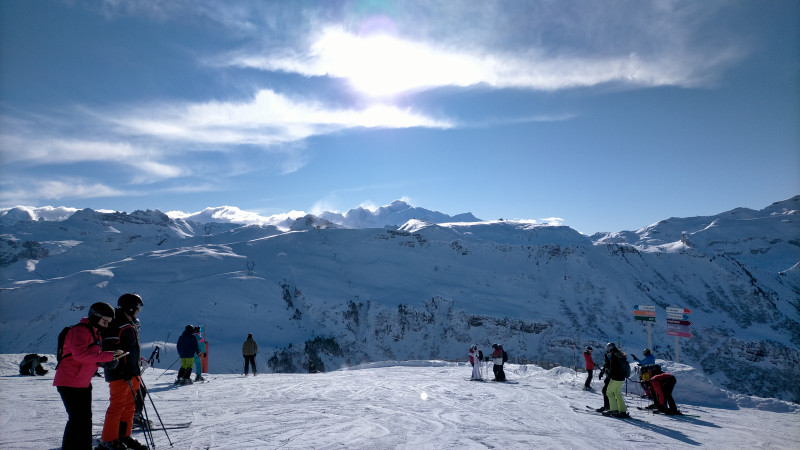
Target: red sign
column 644, row 313
column 679, row 310
column 678, row 322
column 679, row 333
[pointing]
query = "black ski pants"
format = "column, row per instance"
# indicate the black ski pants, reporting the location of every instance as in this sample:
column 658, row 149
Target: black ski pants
column 249, row 360
column 588, row 383
column 78, row 431
column 499, row 374
column 605, row 397
column 667, row 386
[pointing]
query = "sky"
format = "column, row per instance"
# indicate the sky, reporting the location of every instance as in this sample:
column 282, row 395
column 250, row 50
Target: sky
column 608, row 116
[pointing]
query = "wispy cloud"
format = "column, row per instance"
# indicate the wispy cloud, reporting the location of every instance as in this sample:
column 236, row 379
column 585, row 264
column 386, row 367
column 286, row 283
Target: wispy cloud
column 63, row 189
column 538, row 46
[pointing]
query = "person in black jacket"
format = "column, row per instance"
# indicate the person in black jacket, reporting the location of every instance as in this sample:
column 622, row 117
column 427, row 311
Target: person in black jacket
column 616, row 403
column 187, row 351
column 124, row 380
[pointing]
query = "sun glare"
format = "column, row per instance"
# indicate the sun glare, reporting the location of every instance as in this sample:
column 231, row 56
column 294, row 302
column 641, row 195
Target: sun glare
column 382, row 65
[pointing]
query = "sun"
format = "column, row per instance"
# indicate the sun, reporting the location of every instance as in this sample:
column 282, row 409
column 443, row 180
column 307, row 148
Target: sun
column 383, row 65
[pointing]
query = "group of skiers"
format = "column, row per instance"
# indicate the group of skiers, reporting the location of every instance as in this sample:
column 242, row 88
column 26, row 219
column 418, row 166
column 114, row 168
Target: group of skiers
column 658, row 385
column 190, row 347
column 108, row 338
column 499, row 357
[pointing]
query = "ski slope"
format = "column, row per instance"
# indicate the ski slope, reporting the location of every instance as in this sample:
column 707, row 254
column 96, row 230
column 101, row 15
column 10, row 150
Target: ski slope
column 397, row 405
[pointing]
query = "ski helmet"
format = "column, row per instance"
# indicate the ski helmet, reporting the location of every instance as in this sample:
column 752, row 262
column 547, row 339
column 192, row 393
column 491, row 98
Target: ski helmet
column 588, row 348
column 610, row 346
column 130, row 303
column 196, row 329
column 495, row 345
column 98, row 310
column 646, row 351
column 189, row 328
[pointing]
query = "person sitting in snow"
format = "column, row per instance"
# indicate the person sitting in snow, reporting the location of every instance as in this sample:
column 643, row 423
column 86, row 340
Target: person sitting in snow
column 475, row 358
column 32, row 365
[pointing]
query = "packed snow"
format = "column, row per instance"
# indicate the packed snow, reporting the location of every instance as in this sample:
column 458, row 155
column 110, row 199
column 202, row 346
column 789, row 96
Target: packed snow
column 412, row 404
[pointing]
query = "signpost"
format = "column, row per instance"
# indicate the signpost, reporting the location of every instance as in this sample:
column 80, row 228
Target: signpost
column 646, row 313
column 678, row 325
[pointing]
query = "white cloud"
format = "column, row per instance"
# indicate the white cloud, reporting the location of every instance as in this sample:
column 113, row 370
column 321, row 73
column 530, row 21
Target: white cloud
column 33, row 192
column 37, row 149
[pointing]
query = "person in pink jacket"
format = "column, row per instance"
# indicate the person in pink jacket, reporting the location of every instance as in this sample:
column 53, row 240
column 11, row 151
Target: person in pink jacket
column 81, row 355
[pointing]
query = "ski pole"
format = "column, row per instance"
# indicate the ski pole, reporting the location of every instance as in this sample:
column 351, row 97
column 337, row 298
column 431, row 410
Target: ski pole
column 170, row 366
column 148, row 441
column 157, row 414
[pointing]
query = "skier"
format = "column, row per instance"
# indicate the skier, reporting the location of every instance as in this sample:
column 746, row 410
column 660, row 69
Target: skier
column 587, row 356
column 187, row 349
column 198, row 362
column 498, row 360
column 616, row 404
column 604, row 371
column 475, row 358
column 663, row 384
column 32, row 364
column 649, row 358
column 125, row 379
column 249, row 351
column 82, row 354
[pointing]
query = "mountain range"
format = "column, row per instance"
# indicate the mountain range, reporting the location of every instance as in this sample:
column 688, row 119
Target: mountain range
column 403, row 283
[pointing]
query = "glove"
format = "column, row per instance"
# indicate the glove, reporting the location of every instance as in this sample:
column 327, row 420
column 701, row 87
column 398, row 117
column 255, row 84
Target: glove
column 600, row 377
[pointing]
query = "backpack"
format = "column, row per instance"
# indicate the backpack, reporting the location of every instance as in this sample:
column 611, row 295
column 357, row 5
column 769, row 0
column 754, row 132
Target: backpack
column 625, row 365
column 505, row 356
column 62, row 336
column 480, row 355
column 654, row 370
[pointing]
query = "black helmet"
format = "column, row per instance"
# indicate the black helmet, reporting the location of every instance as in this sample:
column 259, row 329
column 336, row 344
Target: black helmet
column 610, row 346
column 189, row 328
column 130, row 303
column 589, row 347
column 196, row 329
column 495, row 345
column 646, row 351
column 98, row 310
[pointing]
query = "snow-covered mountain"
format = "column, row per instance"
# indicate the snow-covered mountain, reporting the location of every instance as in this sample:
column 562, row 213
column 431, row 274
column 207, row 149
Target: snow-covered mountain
column 314, row 291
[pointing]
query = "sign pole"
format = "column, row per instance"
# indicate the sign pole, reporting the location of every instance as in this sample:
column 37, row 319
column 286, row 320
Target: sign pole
column 650, row 336
column 677, row 351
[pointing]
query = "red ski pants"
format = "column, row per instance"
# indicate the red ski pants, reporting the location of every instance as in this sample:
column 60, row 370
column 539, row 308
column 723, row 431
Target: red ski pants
column 119, row 415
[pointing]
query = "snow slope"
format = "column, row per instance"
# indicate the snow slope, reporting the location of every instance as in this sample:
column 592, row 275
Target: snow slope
column 415, row 404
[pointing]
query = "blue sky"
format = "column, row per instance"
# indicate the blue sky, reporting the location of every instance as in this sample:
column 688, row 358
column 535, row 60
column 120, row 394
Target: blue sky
column 609, row 115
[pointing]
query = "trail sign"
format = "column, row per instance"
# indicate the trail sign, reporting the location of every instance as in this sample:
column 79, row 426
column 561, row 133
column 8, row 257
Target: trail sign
column 679, row 334
column 677, row 316
column 679, row 310
column 644, row 313
column 644, row 308
column 678, row 322
column 645, row 318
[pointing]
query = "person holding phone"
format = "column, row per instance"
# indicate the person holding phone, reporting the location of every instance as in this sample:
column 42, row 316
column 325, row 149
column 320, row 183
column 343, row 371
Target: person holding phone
column 81, row 355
